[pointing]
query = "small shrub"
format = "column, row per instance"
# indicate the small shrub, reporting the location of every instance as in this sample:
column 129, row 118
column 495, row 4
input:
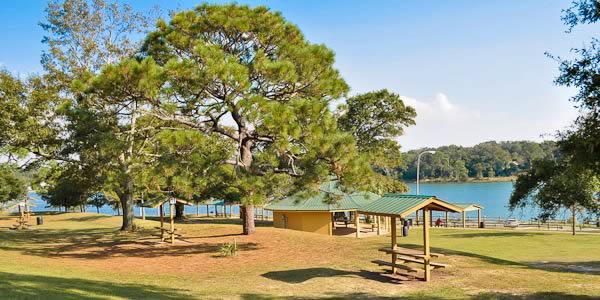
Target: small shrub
column 229, row 249
column 135, row 227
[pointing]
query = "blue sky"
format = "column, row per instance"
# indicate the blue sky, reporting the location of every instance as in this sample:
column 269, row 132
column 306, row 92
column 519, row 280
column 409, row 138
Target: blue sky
column 475, row 70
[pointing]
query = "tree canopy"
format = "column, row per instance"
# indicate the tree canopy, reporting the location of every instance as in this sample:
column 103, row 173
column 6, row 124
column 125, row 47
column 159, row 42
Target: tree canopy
column 13, row 185
column 572, row 180
column 376, row 119
column 250, row 77
column 582, row 141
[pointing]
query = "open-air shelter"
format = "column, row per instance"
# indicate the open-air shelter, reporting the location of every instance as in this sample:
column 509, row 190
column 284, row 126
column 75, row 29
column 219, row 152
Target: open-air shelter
column 468, row 207
column 316, row 213
column 160, row 204
column 216, row 203
column 24, row 208
column 400, row 206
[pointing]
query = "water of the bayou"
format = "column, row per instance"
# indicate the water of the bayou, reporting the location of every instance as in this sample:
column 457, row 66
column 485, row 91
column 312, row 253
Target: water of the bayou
column 493, row 196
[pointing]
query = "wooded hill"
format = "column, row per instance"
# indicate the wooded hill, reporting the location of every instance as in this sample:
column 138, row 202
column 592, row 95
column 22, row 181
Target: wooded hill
column 488, row 159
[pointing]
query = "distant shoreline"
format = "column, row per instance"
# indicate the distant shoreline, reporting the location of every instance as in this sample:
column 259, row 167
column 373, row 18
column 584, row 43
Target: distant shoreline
column 470, row 180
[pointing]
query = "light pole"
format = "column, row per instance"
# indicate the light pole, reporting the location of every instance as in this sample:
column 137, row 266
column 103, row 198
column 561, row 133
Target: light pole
column 418, row 166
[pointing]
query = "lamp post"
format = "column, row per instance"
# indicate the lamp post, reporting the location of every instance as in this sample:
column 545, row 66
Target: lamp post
column 418, row 166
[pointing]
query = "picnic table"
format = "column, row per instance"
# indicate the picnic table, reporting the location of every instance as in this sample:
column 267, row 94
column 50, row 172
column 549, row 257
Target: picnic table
column 402, row 256
column 408, row 252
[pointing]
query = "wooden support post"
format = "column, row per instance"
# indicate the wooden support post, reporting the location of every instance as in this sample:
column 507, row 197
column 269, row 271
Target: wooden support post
column 426, row 250
column 21, row 219
column 417, row 218
column 378, row 225
column 332, row 221
column 431, row 218
column 162, row 223
column 446, row 219
column 357, row 224
column 464, row 217
column 332, row 224
column 172, row 227
column 394, row 243
column 478, row 217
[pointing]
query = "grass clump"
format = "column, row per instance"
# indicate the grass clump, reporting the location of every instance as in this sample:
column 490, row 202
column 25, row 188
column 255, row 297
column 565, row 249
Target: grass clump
column 229, row 249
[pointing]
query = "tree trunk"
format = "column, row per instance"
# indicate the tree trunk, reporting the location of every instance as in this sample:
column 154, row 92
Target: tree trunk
column 127, row 204
column 247, row 212
column 98, row 209
column 179, row 211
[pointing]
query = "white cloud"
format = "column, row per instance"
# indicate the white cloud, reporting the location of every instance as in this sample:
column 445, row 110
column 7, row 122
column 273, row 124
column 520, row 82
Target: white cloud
column 440, row 108
column 442, row 120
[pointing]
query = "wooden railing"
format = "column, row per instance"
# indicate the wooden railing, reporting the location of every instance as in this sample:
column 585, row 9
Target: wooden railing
column 471, row 222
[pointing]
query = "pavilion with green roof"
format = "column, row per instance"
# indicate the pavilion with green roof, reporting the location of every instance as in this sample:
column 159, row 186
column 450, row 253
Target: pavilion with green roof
column 468, row 207
column 315, row 214
column 400, row 206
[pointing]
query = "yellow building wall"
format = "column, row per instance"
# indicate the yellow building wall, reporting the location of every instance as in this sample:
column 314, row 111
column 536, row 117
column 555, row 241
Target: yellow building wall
column 316, row 222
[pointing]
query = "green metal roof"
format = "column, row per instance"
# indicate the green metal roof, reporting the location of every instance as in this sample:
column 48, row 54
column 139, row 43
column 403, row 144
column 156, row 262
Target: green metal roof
column 212, row 202
column 402, row 204
column 330, row 198
column 468, row 206
column 155, row 202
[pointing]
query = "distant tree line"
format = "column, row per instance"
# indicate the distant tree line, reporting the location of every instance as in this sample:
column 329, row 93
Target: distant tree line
column 488, row 159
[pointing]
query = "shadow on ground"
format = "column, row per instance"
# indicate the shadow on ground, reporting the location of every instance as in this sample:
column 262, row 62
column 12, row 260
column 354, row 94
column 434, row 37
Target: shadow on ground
column 583, row 267
column 90, row 218
column 533, row 296
column 483, row 296
column 19, row 286
column 578, row 267
column 211, row 220
column 301, row 275
column 103, row 243
column 331, row 296
column 483, row 233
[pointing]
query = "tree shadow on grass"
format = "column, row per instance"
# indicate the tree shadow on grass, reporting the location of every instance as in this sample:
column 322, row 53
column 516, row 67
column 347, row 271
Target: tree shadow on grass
column 101, row 243
column 89, row 218
column 331, row 296
column 482, row 296
column 485, row 258
column 533, row 296
column 581, row 267
column 221, row 221
column 484, row 233
column 21, row 286
column 301, row 275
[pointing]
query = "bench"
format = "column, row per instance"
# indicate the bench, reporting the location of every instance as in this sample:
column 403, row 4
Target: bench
column 408, row 252
column 422, row 262
column 393, row 265
column 164, row 228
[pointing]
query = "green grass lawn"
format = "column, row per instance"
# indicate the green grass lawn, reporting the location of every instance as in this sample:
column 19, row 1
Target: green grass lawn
column 83, row 256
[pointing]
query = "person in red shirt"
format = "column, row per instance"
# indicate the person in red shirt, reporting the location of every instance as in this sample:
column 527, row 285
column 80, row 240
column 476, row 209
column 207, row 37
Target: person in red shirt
column 438, row 222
